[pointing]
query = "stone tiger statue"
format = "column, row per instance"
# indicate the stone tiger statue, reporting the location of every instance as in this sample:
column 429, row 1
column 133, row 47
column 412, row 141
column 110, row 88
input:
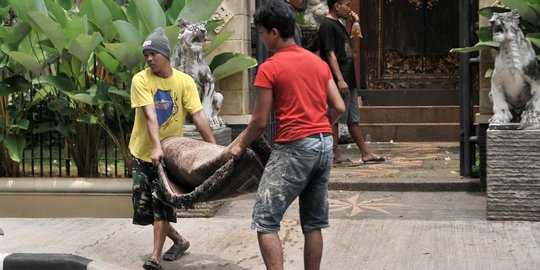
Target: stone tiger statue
column 188, row 57
column 515, row 83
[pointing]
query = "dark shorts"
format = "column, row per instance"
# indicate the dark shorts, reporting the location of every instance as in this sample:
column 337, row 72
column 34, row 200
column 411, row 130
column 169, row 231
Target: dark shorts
column 295, row 169
column 352, row 112
column 146, row 207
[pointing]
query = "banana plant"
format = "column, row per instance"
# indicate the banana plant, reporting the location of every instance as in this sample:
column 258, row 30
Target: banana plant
column 529, row 11
column 81, row 61
column 13, row 123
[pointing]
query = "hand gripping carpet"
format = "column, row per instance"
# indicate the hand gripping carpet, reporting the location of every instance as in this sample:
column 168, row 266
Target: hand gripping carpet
column 195, row 171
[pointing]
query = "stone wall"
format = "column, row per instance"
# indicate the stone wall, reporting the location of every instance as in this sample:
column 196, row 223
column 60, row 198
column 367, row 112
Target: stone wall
column 513, row 174
column 236, row 88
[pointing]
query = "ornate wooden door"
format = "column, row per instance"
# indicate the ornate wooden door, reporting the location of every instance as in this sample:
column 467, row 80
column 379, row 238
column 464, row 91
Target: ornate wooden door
column 406, row 44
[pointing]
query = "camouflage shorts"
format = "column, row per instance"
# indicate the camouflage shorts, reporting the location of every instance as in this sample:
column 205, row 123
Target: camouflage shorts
column 146, row 205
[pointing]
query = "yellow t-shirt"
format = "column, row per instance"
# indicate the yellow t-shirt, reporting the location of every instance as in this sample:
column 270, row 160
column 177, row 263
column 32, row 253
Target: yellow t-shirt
column 172, row 98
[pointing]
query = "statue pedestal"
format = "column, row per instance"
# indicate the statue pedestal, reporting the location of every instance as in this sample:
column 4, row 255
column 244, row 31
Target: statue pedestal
column 513, row 173
column 222, row 134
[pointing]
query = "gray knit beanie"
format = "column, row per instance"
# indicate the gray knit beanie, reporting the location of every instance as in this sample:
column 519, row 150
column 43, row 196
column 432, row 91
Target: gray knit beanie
column 157, row 41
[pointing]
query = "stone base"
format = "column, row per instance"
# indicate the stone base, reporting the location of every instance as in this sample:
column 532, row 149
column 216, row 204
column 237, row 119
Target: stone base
column 222, row 135
column 207, row 209
column 513, row 174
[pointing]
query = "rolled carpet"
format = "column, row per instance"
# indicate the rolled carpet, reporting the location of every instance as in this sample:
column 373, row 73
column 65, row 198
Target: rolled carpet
column 194, row 171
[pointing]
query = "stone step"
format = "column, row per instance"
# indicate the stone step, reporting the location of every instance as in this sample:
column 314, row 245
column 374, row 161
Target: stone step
column 411, row 132
column 411, row 97
column 409, row 114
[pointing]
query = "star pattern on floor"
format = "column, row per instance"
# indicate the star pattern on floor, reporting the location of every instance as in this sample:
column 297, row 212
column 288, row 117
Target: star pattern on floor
column 356, row 204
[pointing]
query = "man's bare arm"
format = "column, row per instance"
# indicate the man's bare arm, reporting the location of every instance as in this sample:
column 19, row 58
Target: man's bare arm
column 259, row 120
column 153, row 133
column 203, row 126
column 336, row 107
column 334, row 67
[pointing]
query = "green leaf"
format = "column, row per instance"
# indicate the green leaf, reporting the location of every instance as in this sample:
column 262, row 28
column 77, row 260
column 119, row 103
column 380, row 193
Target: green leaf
column 126, row 53
column 18, row 83
column 57, row 12
column 115, row 9
column 237, row 63
column 217, row 41
column 84, row 45
column 110, row 64
column 65, row 128
column 24, row 7
column 52, row 29
column 14, row 35
column 220, row 59
column 199, row 10
column 98, row 14
column 150, row 15
column 489, row 73
column 477, row 47
column 122, row 93
column 88, row 119
column 534, row 38
column 44, row 127
column 128, row 33
column 484, row 34
column 77, row 26
column 22, row 124
column 15, row 146
column 84, row 98
column 524, row 10
column 27, row 61
column 213, row 24
column 172, row 35
column 488, row 11
column 4, row 91
column 60, row 83
column 175, row 9
column 66, row 4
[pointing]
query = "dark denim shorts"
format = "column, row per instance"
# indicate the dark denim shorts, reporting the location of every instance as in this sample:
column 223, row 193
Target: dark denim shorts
column 147, row 208
column 352, row 112
column 296, row 169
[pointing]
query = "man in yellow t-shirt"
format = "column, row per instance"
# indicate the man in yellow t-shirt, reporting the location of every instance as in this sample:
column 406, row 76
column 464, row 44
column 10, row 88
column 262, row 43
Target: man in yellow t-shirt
column 161, row 97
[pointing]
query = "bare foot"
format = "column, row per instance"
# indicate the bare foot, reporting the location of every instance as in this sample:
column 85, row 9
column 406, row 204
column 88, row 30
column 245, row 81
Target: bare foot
column 340, row 158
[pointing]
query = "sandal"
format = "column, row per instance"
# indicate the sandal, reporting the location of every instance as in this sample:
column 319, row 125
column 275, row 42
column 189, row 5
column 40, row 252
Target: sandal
column 152, row 265
column 176, row 251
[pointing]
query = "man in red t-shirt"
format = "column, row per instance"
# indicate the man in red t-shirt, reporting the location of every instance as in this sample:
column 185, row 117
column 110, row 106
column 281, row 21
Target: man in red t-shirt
column 300, row 88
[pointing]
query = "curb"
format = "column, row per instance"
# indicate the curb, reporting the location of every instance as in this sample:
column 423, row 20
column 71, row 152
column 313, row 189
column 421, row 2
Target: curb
column 408, row 185
column 51, row 261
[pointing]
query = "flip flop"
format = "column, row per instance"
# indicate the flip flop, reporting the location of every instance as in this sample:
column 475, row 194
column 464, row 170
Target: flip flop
column 152, row 265
column 375, row 160
column 175, row 251
column 345, row 163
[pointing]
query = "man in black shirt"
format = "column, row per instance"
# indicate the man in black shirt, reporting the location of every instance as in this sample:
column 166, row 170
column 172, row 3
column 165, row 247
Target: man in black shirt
column 335, row 49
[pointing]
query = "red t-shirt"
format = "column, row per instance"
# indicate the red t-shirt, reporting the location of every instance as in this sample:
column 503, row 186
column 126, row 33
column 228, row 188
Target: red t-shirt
column 299, row 81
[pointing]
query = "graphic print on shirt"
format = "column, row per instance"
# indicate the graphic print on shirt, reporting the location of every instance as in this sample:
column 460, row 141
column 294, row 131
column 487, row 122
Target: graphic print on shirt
column 165, row 106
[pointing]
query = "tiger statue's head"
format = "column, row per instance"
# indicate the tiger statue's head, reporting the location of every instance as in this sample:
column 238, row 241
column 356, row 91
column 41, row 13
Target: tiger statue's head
column 192, row 35
column 505, row 26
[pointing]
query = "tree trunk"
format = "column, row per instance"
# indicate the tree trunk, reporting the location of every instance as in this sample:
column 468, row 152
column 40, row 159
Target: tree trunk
column 8, row 167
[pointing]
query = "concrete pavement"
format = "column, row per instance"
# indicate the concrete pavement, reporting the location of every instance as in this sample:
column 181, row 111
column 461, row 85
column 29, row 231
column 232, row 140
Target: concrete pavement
column 369, row 230
column 374, row 224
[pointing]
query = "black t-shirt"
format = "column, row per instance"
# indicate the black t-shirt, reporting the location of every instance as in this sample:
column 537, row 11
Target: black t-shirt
column 334, row 37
